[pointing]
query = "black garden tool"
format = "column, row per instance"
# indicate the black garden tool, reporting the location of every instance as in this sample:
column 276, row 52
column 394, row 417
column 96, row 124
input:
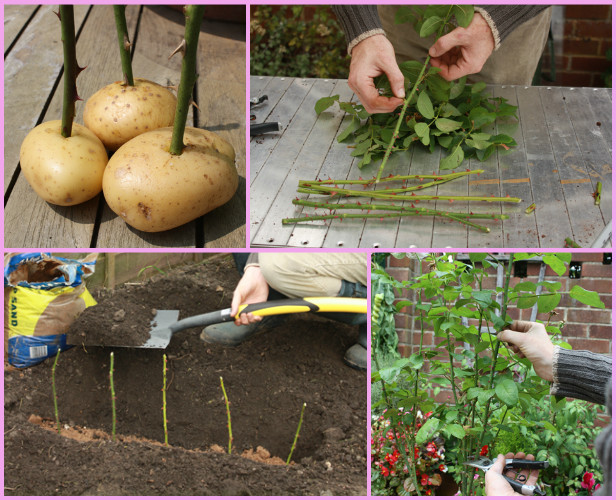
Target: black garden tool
column 485, row 464
column 166, row 323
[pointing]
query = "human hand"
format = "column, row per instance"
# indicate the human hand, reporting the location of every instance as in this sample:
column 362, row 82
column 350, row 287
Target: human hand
column 463, row 51
column 370, row 58
column 252, row 288
column 530, row 340
column 497, row 485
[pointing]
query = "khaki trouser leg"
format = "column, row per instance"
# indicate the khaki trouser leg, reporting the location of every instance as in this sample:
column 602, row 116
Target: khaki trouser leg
column 514, row 63
column 312, row 274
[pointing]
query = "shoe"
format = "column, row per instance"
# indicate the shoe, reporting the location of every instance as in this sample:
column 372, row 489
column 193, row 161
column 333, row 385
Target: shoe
column 356, row 357
column 231, row 335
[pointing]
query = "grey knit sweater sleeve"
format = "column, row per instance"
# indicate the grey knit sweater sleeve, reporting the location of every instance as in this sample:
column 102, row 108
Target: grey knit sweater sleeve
column 503, row 19
column 358, row 22
column 362, row 21
column 581, row 375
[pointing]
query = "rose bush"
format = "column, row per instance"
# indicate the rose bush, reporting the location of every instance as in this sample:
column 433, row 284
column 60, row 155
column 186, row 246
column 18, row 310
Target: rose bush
column 492, row 390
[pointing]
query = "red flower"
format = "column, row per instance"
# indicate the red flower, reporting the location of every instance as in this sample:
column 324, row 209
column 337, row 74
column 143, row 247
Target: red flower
column 484, row 451
column 425, row 479
column 588, row 481
column 385, row 471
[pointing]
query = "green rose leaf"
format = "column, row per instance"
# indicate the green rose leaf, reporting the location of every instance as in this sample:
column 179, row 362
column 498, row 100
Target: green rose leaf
column 464, row 14
column 478, row 144
column 352, row 127
column 525, row 286
column 478, row 87
column 445, row 140
column 449, row 109
column 362, row 148
column 453, row 160
column 447, row 125
column 507, row 392
column 483, row 297
column 557, row 265
column 458, row 88
column 526, row 302
column 424, row 105
column 324, row 103
column 586, row 297
column 427, row 430
column 547, row 303
column 429, row 26
column 481, row 116
column 455, row 430
column 423, row 132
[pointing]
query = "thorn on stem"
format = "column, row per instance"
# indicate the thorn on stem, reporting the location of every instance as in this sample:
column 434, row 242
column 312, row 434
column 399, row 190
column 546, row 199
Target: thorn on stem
column 180, row 48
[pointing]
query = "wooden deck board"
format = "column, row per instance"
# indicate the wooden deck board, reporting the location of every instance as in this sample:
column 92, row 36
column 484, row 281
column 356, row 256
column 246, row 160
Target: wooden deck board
column 36, row 61
column 159, row 29
column 537, row 171
column 222, row 109
column 15, row 19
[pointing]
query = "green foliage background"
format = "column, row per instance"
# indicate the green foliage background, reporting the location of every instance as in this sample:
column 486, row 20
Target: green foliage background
column 288, row 41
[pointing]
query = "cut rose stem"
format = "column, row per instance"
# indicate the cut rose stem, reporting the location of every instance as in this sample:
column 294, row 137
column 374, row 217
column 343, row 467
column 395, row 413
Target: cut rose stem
column 436, row 182
column 368, row 182
column 53, row 389
column 372, row 206
column 113, row 398
column 407, row 101
column 301, row 419
column 165, row 399
column 222, row 385
column 119, row 12
column 71, row 68
column 382, row 216
column 381, row 196
column 188, row 76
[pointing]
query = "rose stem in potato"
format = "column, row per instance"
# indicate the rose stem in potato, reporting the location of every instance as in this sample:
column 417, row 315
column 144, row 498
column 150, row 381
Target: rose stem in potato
column 71, row 68
column 119, row 11
column 188, row 76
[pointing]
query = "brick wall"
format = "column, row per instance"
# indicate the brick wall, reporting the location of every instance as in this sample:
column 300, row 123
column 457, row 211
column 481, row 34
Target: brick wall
column 585, row 327
column 582, row 36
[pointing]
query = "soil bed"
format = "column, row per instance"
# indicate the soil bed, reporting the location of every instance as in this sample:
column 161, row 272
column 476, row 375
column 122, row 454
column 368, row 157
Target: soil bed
column 267, row 378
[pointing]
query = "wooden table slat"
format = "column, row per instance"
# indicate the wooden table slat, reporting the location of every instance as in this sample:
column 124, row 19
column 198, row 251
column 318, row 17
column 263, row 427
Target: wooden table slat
column 532, row 171
column 520, row 230
column 310, row 156
column 286, row 95
column 337, row 164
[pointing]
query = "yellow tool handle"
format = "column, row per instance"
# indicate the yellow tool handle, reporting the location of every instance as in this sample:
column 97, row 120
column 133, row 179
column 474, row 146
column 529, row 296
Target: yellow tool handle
column 308, row 304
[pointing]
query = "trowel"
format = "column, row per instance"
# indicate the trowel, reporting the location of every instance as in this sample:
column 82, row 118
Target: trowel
column 166, row 323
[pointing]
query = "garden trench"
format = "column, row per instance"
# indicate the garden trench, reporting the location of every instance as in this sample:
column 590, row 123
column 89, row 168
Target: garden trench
column 267, row 379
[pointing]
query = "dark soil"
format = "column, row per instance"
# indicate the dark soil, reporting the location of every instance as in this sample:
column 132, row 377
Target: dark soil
column 267, row 379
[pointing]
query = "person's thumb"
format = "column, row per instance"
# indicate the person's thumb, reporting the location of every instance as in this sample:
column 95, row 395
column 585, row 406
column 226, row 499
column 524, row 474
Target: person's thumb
column 507, row 336
column 444, row 44
column 396, row 79
column 499, row 465
column 235, row 303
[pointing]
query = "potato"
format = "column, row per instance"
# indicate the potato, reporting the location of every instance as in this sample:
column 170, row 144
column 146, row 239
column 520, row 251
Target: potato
column 117, row 113
column 153, row 190
column 63, row 170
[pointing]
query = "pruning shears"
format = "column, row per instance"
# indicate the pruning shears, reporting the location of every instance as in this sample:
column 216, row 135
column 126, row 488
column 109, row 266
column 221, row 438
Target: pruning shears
column 485, row 464
column 262, row 128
